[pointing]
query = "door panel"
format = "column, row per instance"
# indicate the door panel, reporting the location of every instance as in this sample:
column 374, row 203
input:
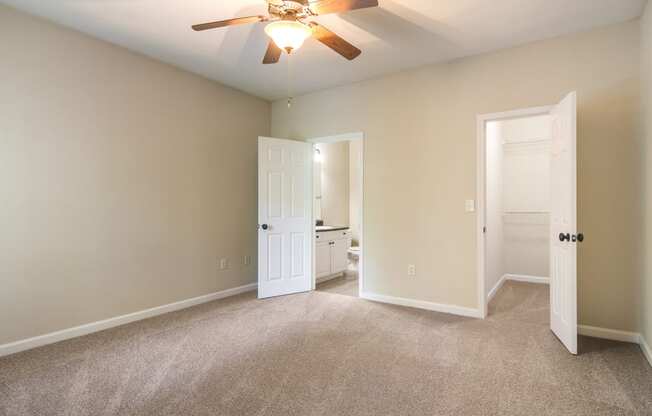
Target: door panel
column 563, row 220
column 284, row 207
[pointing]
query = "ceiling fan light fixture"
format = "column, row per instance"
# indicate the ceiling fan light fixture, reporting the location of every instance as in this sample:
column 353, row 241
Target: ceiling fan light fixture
column 288, row 35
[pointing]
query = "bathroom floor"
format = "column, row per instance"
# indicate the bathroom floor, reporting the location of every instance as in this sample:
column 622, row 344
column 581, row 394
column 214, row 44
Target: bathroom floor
column 344, row 285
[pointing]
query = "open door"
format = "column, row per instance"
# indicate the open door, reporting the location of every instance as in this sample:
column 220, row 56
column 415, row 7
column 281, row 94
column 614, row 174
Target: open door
column 563, row 223
column 285, row 228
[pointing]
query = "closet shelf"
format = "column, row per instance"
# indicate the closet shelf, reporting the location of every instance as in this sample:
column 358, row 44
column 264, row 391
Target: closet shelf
column 534, row 141
column 525, row 212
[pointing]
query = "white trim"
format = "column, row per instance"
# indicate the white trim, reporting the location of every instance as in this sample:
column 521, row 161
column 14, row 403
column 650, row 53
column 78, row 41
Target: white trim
column 647, row 351
column 52, row 337
column 481, row 216
column 528, row 279
column 327, row 278
column 606, row 333
column 617, row 335
column 516, row 278
column 345, row 137
column 496, row 288
column 422, row 304
column 481, row 121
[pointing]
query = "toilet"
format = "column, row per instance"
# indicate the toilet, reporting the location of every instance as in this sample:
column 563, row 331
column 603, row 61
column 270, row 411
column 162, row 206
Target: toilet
column 354, row 258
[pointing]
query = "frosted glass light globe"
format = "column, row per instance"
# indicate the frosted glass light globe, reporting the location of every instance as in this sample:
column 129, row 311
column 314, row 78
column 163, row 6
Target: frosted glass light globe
column 288, row 34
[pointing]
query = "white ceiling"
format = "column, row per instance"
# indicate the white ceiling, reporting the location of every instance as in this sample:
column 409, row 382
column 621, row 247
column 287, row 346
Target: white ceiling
column 399, row 34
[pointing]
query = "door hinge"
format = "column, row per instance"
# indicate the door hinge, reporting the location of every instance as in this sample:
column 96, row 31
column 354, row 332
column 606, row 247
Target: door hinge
column 484, row 230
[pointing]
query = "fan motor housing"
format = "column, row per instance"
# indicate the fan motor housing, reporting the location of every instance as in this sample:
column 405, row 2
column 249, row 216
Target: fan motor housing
column 293, row 9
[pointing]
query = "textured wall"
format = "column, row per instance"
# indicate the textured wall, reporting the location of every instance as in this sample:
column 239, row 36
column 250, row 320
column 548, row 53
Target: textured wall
column 420, row 163
column 122, row 180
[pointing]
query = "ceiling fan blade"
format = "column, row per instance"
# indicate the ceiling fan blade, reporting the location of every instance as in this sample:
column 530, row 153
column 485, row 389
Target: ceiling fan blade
column 273, row 53
column 334, row 42
column 229, row 22
column 339, row 6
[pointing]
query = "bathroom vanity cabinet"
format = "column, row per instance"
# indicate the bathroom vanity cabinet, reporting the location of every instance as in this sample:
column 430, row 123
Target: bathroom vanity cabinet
column 331, row 254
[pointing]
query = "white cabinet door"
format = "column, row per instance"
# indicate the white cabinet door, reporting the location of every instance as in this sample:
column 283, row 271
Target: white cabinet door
column 284, row 216
column 339, row 253
column 323, row 259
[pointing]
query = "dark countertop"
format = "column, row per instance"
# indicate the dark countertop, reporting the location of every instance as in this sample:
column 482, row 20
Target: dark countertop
column 324, row 228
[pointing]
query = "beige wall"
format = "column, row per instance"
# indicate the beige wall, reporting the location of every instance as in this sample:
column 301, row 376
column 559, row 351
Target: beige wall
column 420, row 158
column 122, row 180
column 334, row 183
column 646, row 68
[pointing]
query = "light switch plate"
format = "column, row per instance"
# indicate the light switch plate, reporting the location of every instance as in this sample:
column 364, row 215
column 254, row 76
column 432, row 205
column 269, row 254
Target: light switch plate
column 469, row 205
column 412, row 270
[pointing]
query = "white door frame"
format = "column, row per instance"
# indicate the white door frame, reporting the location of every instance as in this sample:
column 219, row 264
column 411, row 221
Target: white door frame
column 346, row 137
column 481, row 195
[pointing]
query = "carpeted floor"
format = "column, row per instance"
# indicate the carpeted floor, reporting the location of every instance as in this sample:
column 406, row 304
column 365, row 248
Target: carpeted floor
column 326, row 354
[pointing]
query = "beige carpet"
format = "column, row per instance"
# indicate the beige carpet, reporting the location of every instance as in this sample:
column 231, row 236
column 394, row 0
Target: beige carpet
column 326, row 354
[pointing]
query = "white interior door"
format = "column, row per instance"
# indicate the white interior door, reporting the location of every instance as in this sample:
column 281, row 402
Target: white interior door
column 285, row 228
column 563, row 223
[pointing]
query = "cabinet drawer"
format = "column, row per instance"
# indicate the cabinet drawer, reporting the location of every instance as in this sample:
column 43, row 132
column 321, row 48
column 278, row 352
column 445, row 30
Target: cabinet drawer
column 332, row 235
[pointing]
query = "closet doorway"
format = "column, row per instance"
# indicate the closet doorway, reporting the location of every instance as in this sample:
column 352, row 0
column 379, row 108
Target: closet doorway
column 527, row 237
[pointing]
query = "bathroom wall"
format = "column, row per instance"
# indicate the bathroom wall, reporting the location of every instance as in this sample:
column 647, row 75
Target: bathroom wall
column 526, row 195
column 334, row 183
column 355, row 189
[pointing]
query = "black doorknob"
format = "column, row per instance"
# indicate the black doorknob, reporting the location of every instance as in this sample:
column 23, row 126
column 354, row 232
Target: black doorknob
column 564, row 237
column 264, row 226
column 580, row 237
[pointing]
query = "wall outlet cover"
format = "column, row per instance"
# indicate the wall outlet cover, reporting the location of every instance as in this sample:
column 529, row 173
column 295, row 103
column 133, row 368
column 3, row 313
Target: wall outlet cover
column 224, row 264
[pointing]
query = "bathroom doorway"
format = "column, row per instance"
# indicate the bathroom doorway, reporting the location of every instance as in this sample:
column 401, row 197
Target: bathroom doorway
column 338, row 214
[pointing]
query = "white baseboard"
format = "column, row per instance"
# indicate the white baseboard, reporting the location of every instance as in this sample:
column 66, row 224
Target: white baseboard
column 496, row 288
column 38, row 341
column 647, row 351
column 421, row 304
column 517, row 278
column 606, row 333
column 528, row 279
column 327, row 278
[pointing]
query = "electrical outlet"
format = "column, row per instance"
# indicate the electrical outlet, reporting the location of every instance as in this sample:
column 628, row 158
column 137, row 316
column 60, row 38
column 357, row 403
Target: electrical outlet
column 412, row 270
column 224, row 264
column 247, row 260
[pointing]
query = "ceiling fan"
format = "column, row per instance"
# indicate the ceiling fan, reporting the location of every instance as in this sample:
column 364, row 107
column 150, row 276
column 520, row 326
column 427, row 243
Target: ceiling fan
column 288, row 27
